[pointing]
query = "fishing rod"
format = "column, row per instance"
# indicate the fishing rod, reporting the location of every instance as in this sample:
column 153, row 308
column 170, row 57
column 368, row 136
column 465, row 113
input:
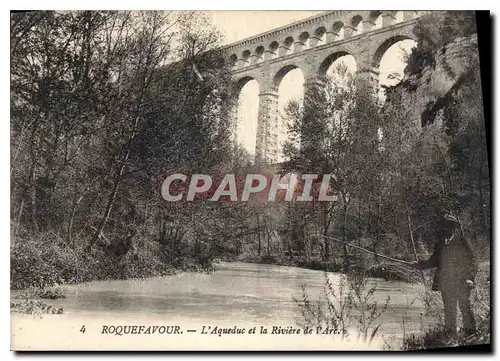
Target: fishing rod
column 368, row 251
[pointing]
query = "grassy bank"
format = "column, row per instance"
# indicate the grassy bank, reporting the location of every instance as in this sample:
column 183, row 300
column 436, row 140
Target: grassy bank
column 39, row 264
column 439, row 338
column 43, row 266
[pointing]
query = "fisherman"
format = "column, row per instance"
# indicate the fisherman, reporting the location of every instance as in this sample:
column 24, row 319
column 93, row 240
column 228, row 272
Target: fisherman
column 456, row 270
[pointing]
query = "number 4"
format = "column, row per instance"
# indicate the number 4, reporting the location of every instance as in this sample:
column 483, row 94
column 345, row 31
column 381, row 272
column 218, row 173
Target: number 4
column 82, row 330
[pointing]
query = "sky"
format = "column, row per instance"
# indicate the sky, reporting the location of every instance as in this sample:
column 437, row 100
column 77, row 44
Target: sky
column 238, row 25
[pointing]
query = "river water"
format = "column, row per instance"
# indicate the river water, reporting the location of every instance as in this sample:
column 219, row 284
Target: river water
column 235, row 294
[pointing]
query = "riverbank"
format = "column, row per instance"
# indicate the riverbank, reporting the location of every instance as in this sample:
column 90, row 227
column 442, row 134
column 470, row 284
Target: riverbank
column 44, row 262
column 36, row 300
column 40, row 266
column 244, row 294
column 386, row 271
column 241, row 294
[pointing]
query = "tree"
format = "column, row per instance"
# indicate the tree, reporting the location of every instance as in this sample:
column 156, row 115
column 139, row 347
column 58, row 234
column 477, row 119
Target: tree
column 336, row 133
column 103, row 104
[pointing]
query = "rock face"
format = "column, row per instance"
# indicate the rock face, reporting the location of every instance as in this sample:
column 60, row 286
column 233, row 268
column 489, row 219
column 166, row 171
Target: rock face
column 424, row 91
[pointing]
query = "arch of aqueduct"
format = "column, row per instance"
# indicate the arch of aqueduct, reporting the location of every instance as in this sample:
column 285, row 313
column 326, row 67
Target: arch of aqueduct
column 312, row 45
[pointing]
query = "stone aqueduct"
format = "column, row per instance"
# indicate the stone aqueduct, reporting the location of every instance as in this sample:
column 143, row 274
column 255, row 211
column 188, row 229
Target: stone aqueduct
column 312, row 45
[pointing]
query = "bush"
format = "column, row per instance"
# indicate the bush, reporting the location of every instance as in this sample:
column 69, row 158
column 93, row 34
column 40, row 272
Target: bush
column 40, row 262
column 34, row 307
column 344, row 308
column 47, row 260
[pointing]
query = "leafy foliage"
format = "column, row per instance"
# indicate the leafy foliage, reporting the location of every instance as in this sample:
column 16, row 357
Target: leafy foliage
column 433, row 32
column 103, row 103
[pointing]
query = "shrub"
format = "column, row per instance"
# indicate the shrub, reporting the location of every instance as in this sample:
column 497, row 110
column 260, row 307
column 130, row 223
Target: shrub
column 39, row 262
column 48, row 260
column 344, row 307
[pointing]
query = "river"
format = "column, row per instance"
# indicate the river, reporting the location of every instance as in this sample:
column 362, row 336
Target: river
column 235, row 294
